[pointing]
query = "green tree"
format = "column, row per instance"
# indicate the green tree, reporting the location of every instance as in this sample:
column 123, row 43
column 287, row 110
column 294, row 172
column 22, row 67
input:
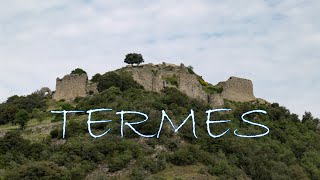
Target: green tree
column 123, row 81
column 133, row 58
column 96, row 77
column 307, row 117
column 22, row 117
column 37, row 114
column 78, row 71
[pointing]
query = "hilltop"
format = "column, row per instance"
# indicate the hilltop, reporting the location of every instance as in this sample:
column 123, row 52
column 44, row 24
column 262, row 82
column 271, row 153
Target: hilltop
column 37, row 149
column 160, row 76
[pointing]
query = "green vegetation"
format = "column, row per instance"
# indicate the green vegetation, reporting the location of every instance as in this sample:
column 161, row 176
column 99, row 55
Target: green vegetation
column 190, row 70
column 96, row 77
column 78, row 71
column 203, row 82
column 209, row 88
column 22, row 117
column 14, row 104
column 133, row 58
column 123, row 80
column 172, row 80
column 290, row 151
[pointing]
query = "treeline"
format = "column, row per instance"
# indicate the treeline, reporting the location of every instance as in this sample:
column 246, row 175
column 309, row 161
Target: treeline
column 16, row 107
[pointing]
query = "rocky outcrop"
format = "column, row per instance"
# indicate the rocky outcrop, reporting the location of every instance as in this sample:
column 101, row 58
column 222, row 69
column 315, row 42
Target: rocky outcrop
column 72, row 86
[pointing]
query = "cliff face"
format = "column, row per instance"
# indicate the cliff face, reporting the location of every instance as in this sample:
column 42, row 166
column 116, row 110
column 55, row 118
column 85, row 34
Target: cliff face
column 156, row 78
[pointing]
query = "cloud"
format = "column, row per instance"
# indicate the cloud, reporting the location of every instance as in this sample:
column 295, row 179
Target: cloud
column 274, row 43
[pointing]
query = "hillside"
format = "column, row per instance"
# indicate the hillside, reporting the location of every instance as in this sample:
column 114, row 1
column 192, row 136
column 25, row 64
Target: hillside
column 32, row 146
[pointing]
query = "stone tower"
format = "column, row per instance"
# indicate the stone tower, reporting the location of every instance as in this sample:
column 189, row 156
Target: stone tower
column 72, row 86
column 237, row 89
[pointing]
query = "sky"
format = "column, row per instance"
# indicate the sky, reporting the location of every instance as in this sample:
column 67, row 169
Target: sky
column 275, row 43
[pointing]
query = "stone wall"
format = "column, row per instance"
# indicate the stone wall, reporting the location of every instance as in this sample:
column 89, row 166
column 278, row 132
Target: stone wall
column 154, row 78
column 151, row 77
column 237, row 89
column 72, row 86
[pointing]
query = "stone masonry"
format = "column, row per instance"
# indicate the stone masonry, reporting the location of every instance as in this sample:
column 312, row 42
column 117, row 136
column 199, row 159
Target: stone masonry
column 238, row 89
column 72, row 86
column 156, row 78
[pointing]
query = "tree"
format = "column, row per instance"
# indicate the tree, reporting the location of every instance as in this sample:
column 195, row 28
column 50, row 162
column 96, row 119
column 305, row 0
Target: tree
column 307, row 116
column 133, row 58
column 124, row 81
column 78, row 71
column 22, row 117
column 96, row 77
column 38, row 114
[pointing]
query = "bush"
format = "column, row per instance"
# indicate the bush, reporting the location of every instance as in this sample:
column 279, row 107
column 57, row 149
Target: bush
column 190, row 70
column 22, row 117
column 54, row 134
column 78, row 71
column 203, row 83
column 123, row 81
column 210, row 89
column 119, row 161
column 172, row 80
column 35, row 170
column 183, row 157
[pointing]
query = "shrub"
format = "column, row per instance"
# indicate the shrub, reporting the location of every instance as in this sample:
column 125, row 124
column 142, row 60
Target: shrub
column 172, row 80
column 183, row 157
column 119, row 161
column 35, row 170
column 203, row 83
column 78, row 71
column 124, row 81
column 210, row 89
column 190, row 70
column 22, row 117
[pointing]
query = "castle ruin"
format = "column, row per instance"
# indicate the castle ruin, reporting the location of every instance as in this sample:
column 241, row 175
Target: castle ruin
column 156, row 78
column 72, row 86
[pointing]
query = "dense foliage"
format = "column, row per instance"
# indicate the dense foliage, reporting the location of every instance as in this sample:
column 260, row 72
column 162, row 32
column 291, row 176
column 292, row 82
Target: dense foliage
column 123, row 81
column 78, row 71
column 290, row 151
column 14, row 104
column 133, row 58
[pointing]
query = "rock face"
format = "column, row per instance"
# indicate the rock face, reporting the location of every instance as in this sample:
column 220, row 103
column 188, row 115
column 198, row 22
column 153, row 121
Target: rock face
column 238, row 89
column 72, row 86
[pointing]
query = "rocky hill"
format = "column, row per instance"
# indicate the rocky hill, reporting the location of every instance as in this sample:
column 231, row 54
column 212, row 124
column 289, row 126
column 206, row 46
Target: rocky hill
column 221, row 146
column 158, row 77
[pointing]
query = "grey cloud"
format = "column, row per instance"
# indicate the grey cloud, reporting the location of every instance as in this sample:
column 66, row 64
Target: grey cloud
column 274, row 43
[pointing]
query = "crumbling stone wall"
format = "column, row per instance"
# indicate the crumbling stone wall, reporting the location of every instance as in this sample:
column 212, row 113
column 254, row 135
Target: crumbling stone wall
column 151, row 77
column 92, row 88
column 238, row 89
column 154, row 78
column 72, row 86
